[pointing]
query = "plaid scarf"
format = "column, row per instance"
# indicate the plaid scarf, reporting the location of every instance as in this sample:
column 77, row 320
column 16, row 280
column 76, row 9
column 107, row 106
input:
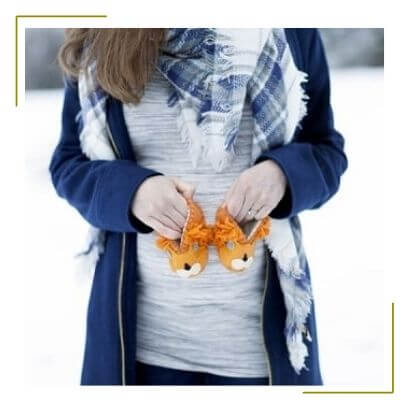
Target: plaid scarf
column 213, row 71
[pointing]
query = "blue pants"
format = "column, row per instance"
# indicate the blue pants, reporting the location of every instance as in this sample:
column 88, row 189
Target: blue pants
column 155, row 375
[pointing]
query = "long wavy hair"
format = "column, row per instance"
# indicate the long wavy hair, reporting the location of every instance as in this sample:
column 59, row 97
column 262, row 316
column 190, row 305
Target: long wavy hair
column 125, row 58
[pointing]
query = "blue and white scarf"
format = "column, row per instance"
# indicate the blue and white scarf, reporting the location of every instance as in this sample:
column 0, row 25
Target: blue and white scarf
column 213, row 71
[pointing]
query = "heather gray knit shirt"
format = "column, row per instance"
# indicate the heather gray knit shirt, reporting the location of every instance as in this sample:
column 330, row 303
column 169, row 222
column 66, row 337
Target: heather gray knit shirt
column 212, row 322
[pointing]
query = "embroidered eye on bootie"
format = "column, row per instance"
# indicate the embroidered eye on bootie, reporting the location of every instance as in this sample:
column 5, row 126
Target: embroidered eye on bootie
column 235, row 242
column 188, row 256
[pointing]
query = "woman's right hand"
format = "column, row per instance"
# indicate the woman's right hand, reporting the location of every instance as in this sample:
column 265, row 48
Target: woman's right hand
column 159, row 203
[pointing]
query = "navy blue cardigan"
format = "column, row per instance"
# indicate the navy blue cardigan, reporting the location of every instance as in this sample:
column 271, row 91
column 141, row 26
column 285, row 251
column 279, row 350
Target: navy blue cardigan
column 102, row 192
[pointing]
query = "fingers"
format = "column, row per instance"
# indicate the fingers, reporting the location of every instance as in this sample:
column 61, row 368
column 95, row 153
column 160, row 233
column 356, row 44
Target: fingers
column 174, row 209
column 241, row 198
column 176, row 216
column 179, row 206
column 259, row 208
column 170, row 222
column 234, row 200
column 160, row 203
column 247, row 204
column 183, row 187
column 161, row 227
column 262, row 212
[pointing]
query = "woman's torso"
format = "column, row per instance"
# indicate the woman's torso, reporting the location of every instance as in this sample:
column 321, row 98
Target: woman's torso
column 211, row 322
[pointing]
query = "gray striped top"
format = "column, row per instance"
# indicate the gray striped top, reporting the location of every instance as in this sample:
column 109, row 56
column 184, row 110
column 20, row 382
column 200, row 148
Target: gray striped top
column 210, row 323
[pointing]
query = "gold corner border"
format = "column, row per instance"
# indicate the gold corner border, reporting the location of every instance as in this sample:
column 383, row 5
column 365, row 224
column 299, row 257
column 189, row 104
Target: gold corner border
column 41, row 16
column 366, row 392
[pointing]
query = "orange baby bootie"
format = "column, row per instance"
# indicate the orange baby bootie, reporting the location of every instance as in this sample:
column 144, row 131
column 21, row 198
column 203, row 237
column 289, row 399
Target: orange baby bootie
column 189, row 256
column 234, row 241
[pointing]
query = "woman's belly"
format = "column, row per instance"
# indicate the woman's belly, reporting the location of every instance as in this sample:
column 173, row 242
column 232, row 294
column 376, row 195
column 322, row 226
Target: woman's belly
column 211, row 322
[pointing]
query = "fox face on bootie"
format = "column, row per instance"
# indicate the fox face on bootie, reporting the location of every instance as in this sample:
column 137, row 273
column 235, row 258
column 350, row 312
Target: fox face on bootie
column 188, row 256
column 235, row 242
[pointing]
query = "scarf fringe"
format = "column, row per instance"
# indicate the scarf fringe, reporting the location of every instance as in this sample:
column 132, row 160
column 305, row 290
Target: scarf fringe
column 281, row 244
column 298, row 298
column 195, row 143
column 298, row 99
column 296, row 288
column 297, row 352
column 216, row 153
column 191, row 138
column 94, row 247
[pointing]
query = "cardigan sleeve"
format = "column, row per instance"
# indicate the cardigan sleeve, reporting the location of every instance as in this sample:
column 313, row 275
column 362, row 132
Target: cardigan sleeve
column 101, row 190
column 315, row 160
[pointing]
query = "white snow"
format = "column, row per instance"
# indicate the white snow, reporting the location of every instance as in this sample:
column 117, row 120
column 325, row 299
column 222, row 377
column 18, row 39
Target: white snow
column 344, row 245
column 342, row 242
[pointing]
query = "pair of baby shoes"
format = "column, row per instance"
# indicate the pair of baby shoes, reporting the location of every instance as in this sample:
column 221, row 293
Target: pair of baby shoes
column 188, row 256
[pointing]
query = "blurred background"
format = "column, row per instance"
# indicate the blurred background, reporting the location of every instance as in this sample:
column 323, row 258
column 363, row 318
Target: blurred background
column 344, row 256
column 345, row 48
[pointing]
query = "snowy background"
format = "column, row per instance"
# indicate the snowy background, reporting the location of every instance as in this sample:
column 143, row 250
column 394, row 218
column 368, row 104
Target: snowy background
column 343, row 252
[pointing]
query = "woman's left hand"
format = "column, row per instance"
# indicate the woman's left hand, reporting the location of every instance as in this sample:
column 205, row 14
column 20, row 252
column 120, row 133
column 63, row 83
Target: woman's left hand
column 259, row 189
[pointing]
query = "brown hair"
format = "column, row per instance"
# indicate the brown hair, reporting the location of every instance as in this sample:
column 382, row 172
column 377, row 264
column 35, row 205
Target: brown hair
column 125, row 58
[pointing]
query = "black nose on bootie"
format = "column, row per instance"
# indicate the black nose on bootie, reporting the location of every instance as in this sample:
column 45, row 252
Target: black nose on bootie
column 245, row 257
column 187, row 267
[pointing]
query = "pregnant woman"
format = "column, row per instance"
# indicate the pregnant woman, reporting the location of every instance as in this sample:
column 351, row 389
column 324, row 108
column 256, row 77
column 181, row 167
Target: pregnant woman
column 163, row 126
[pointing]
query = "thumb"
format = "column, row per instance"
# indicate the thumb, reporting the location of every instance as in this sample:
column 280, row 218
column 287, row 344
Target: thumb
column 186, row 189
